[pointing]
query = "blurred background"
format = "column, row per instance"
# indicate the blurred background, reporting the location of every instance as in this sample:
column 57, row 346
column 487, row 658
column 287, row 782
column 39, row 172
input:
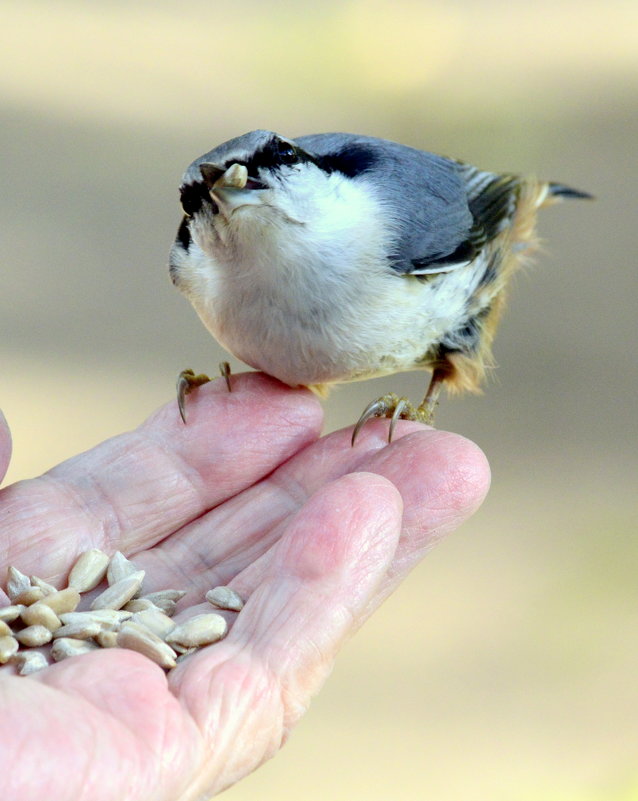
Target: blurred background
column 506, row 668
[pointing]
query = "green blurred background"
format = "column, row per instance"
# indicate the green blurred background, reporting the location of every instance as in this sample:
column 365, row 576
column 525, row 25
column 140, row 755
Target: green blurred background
column 506, row 668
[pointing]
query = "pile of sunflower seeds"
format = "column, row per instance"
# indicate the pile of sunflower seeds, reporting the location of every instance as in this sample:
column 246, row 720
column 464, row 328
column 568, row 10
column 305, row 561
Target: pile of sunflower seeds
column 43, row 623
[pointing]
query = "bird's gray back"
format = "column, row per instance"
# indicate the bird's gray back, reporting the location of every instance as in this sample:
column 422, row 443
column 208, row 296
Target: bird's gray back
column 426, row 193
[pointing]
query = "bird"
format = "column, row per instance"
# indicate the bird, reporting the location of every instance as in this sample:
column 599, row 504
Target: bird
column 339, row 257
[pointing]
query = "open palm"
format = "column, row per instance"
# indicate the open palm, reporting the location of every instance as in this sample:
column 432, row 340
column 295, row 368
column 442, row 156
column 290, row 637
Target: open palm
column 312, row 532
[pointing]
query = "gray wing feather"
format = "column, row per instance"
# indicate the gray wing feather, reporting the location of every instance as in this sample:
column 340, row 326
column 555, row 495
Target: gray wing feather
column 424, row 193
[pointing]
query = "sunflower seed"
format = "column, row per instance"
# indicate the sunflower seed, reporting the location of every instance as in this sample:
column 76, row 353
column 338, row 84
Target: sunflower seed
column 8, row 647
column 199, row 630
column 119, row 568
column 5, row 631
column 155, row 621
column 17, row 582
column 225, row 598
column 67, row 646
column 170, row 595
column 63, row 600
column 139, row 605
column 29, row 596
column 183, row 649
column 184, row 653
column 139, row 638
column 40, row 614
column 29, row 662
column 88, row 570
column 83, row 630
column 120, row 593
column 34, row 636
column 11, row 613
column 166, row 605
column 106, row 639
column 46, row 588
column 107, row 618
column 166, row 600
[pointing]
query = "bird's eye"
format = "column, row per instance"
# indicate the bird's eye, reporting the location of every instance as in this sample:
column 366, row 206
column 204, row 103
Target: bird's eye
column 287, row 153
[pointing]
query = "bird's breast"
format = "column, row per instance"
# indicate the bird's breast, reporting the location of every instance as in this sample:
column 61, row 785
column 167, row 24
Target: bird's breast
column 300, row 332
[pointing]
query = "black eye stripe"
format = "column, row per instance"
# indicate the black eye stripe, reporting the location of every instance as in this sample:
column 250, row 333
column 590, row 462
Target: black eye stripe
column 352, row 160
column 194, row 196
column 275, row 153
column 184, row 234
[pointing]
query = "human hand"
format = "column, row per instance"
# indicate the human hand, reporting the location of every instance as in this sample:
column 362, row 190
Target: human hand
column 313, row 533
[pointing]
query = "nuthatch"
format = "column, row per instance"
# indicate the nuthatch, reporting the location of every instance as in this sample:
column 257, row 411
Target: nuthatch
column 337, row 257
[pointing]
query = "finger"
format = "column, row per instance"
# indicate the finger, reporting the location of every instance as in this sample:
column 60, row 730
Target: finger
column 441, row 476
column 324, row 571
column 98, row 726
column 5, row 446
column 131, row 491
column 443, row 479
column 219, row 545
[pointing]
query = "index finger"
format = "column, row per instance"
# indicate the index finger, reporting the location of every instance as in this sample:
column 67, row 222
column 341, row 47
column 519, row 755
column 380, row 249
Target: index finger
column 131, row 491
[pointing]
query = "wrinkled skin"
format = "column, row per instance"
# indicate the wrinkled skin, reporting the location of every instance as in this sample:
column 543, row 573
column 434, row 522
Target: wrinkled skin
column 314, row 533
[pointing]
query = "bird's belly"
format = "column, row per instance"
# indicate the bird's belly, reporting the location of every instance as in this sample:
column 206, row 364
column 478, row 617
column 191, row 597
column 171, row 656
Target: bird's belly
column 349, row 338
column 297, row 351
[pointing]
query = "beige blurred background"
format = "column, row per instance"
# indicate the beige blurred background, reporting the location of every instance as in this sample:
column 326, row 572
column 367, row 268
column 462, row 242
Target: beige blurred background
column 506, row 669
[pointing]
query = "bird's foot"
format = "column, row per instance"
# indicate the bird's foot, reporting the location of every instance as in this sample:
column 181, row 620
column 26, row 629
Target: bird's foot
column 188, row 380
column 395, row 408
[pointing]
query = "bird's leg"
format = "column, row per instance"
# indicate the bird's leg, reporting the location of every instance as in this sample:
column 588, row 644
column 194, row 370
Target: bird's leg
column 187, row 381
column 431, row 400
column 397, row 408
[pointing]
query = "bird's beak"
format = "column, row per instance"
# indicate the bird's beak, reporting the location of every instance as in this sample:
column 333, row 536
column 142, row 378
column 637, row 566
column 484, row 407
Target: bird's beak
column 210, row 173
column 235, row 177
column 230, row 188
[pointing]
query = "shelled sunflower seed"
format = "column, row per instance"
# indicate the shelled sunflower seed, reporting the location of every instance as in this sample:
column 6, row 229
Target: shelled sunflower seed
column 17, row 582
column 119, row 593
column 139, row 638
column 46, row 588
column 119, row 567
column 225, row 598
column 28, row 596
column 40, row 616
column 29, row 662
column 67, row 646
column 8, row 647
column 34, row 636
column 140, row 605
column 9, row 613
column 199, row 630
column 107, row 638
column 89, row 570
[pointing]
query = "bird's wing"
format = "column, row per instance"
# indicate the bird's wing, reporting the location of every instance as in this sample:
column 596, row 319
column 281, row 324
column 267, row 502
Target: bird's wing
column 444, row 211
column 492, row 203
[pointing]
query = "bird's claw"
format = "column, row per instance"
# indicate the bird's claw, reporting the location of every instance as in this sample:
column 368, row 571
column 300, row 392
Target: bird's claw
column 395, row 408
column 188, row 380
column 388, row 406
column 402, row 404
column 224, row 369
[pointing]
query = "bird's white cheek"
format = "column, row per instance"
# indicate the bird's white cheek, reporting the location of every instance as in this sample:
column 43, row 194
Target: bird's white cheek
column 194, row 273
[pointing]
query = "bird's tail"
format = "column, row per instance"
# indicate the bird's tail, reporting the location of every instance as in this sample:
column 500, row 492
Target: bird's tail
column 560, row 190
